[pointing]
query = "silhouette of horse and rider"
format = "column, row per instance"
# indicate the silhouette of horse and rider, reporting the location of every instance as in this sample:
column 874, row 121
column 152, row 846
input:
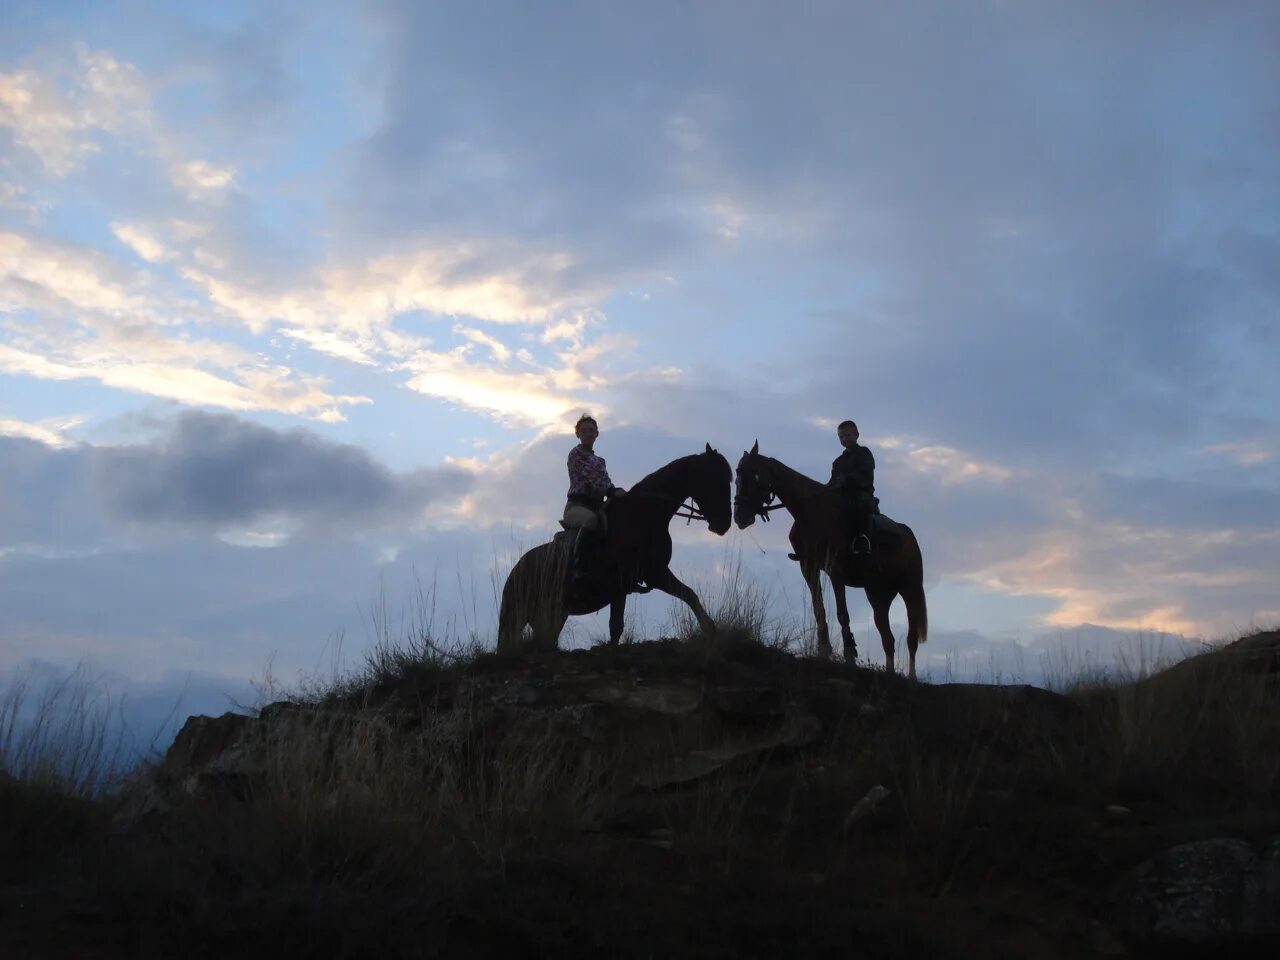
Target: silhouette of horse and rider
column 616, row 542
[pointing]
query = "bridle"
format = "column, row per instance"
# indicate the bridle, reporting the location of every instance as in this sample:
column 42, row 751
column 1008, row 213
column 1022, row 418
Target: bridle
column 691, row 513
column 766, row 507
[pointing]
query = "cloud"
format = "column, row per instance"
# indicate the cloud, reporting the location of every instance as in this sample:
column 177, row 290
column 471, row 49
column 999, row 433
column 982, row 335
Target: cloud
column 47, row 506
column 98, row 320
column 55, row 112
column 937, row 216
column 141, row 241
column 1248, row 454
column 949, row 464
column 355, row 297
column 68, row 104
column 219, row 471
column 1030, row 250
column 201, row 179
column 1126, row 576
column 49, row 432
column 1051, row 658
column 525, row 397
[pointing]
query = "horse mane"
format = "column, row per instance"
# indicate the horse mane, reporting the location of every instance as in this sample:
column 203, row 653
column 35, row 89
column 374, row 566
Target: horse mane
column 803, row 478
column 663, row 475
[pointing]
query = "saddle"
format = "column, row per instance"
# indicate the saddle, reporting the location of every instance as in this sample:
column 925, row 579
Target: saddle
column 588, row 558
column 886, row 530
column 884, row 533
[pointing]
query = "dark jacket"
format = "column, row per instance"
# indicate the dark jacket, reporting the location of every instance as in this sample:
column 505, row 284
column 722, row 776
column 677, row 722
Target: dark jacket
column 853, row 474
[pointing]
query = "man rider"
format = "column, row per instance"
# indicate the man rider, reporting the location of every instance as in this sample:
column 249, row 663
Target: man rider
column 853, row 475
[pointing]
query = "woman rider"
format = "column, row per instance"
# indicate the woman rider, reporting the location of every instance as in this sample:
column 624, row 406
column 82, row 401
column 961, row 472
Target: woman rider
column 589, row 485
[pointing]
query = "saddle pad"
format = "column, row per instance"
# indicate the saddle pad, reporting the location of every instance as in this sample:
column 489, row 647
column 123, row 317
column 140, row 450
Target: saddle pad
column 886, row 527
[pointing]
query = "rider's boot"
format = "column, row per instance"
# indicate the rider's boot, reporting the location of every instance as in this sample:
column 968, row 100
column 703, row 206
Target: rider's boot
column 584, row 556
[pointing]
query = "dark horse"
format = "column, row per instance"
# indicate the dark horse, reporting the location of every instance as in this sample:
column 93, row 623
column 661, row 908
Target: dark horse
column 820, row 537
column 637, row 550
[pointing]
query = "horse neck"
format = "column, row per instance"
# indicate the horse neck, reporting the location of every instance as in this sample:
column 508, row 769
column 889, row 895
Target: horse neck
column 795, row 491
column 667, row 488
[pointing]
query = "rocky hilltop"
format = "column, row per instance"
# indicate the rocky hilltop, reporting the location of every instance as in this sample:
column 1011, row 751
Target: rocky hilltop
column 681, row 798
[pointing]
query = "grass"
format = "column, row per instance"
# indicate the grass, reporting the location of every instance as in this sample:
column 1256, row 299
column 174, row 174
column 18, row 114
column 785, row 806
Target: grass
column 60, row 735
column 439, row 799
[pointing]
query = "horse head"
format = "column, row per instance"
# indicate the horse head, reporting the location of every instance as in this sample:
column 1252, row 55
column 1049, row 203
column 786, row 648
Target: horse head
column 753, row 485
column 712, row 479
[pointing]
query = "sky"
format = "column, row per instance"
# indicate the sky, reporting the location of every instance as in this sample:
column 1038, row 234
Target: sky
column 299, row 302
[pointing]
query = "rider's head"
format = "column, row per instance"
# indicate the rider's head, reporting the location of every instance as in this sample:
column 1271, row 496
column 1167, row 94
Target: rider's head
column 586, row 430
column 848, row 433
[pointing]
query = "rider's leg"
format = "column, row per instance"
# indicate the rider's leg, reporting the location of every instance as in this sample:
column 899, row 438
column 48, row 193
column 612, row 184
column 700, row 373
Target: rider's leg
column 856, row 523
column 584, row 522
column 862, row 542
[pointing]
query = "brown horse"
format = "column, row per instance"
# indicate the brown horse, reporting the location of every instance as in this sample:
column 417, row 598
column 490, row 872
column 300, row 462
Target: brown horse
column 820, row 537
column 636, row 553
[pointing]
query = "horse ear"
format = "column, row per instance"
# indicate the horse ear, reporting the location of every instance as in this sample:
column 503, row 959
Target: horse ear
column 755, row 448
column 709, row 450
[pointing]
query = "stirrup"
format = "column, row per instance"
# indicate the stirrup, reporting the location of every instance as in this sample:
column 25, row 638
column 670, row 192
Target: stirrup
column 861, row 545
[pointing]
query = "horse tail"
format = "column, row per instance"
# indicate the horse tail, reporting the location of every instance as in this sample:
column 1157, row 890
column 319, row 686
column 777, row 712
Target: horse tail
column 520, row 594
column 917, row 614
column 533, row 596
column 912, row 592
column 512, row 615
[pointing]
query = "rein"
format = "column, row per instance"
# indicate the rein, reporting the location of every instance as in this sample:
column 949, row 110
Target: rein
column 768, row 508
column 764, row 509
column 692, row 512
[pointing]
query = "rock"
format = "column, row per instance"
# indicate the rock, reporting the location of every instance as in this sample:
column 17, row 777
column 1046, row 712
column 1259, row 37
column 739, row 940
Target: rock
column 747, row 701
column 670, row 698
column 867, row 805
column 1219, row 893
column 201, row 741
column 799, row 730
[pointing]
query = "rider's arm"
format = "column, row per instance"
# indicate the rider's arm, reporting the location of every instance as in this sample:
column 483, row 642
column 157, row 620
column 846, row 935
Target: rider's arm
column 867, row 462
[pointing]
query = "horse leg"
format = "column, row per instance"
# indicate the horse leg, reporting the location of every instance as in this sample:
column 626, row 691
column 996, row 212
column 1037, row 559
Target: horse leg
column 519, row 606
column 617, row 609
column 547, row 630
column 548, row 617
column 917, row 619
column 511, row 623
column 881, row 599
column 669, row 583
column 812, row 577
column 842, row 614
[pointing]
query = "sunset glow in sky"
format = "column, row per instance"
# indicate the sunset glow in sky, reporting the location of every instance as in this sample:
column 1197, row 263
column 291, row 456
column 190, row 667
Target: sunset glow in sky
column 299, row 301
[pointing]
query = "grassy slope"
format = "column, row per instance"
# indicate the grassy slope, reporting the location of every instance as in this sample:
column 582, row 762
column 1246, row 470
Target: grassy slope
column 472, row 839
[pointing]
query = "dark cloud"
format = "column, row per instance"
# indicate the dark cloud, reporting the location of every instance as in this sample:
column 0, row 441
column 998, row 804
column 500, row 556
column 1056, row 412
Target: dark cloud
column 1025, row 226
column 1058, row 659
column 1193, row 507
column 45, row 497
column 219, row 470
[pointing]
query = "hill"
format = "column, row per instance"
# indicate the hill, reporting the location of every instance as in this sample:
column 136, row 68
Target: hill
column 667, row 799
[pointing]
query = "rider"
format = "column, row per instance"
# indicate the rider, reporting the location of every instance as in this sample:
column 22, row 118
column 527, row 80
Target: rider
column 589, row 484
column 853, row 475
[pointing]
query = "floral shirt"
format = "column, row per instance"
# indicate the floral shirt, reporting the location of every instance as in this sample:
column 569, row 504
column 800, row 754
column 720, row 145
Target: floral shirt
column 587, row 474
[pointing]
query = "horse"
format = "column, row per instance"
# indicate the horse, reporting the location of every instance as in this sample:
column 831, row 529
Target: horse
column 820, row 538
column 636, row 555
